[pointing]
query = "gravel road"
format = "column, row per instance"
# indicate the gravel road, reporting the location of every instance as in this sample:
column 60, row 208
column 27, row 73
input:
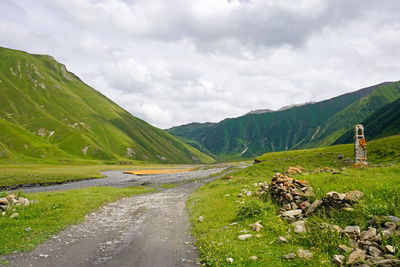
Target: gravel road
column 145, row 230
column 119, row 179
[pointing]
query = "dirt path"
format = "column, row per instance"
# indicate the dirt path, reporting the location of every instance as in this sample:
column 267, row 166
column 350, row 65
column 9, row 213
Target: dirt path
column 147, row 230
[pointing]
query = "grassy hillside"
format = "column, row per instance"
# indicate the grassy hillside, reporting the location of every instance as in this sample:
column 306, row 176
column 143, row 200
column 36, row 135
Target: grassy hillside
column 310, row 125
column 47, row 112
column 219, row 204
column 382, row 123
column 355, row 113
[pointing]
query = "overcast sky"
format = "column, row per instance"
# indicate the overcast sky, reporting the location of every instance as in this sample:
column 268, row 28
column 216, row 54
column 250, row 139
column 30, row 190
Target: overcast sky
column 172, row 62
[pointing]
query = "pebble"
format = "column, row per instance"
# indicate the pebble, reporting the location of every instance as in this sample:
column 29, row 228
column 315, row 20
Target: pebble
column 304, row 254
column 230, row 260
column 253, row 258
column 14, row 215
column 356, row 256
column 290, row 213
column 257, row 226
column 338, row 259
column 390, row 249
column 244, row 237
column 201, row 219
column 289, row 256
column 282, row 239
column 299, row 227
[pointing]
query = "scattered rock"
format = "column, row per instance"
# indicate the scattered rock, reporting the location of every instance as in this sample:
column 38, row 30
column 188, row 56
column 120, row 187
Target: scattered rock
column 305, row 205
column 313, row 206
column 304, row 254
column 337, row 228
column 390, row 225
column 299, row 227
column 388, row 262
column 338, row 260
column 282, row 239
column 390, row 249
column 3, row 202
column 388, row 232
column 257, row 226
column 352, row 231
column 28, row 229
column 289, row 256
column 244, row 237
column 292, row 213
column 201, row 219
column 14, row 215
column 370, row 234
column 393, row 219
column 356, row 256
column 345, row 248
column 354, row 196
column 11, row 200
column 374, row 252
column 229, row 260
column 253, row 258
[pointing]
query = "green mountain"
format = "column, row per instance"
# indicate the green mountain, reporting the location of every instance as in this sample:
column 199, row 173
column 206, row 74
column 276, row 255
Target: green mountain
column 47, row 113
column 384, row 122
column 309, row 125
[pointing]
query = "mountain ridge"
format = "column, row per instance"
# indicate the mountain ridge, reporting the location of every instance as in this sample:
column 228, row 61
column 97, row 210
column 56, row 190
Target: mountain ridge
column 309, row 125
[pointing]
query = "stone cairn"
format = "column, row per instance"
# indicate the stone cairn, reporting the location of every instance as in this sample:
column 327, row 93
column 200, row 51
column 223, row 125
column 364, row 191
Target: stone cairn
column 295, row 195
column 8, row 202
column 369, row 247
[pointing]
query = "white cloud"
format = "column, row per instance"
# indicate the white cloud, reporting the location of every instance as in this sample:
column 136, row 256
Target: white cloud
column 175, row 61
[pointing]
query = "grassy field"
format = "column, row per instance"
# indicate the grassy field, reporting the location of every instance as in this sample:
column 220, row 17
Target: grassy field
column 54, row 212
column 217, row 235
column 36, row 173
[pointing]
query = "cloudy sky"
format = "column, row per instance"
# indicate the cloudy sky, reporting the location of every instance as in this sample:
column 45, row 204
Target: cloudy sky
column 172, row 62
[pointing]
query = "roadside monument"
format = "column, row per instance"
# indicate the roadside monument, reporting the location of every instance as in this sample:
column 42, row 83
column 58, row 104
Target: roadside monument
column 360, row 147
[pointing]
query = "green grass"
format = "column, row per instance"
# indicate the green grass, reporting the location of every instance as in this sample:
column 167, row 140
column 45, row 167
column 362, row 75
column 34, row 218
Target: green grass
column 217, row 239
column 45, row 173
column 53, row 213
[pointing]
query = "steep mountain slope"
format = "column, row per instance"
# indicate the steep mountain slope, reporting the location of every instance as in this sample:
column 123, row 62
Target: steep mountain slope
column 382, row 123
column 310, row 125
column 344, row 120
column 192, row 134
column 48, row 112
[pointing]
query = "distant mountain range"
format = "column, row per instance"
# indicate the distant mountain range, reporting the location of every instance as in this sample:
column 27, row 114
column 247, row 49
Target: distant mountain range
column 47, row 113
column 302, row 126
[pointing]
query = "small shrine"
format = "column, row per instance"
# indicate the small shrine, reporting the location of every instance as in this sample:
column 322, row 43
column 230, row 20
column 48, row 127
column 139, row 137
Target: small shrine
column 360, row 147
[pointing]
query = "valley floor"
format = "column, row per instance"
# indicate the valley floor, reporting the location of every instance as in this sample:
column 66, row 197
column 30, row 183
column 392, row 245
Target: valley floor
column 145, row 230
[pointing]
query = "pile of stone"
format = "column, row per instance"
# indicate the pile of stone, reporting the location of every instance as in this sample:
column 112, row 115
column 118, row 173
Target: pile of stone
column 11, row 200
column 371, row 246
column 295, row 195
column 292, row 194
column 342, row 200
